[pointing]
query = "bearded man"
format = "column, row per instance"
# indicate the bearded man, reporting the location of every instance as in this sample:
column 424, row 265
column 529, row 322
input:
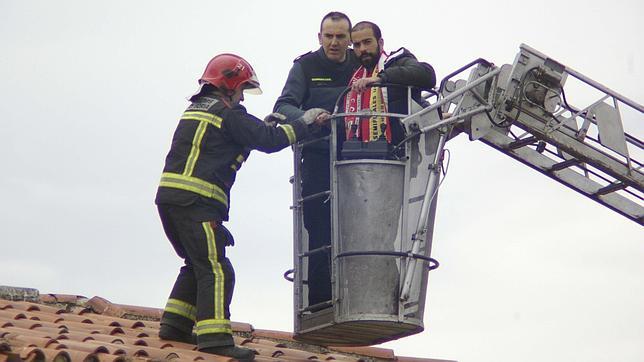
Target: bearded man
column 377, row 67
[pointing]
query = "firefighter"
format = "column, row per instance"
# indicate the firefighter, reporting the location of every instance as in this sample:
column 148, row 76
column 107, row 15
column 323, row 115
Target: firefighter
column 214, row 137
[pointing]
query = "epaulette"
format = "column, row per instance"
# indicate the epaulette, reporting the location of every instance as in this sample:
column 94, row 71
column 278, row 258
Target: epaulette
column 303, row 55
column 202, row 104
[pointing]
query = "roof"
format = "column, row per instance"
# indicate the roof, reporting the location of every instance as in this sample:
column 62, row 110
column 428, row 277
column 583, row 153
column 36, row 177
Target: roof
column 58, row 327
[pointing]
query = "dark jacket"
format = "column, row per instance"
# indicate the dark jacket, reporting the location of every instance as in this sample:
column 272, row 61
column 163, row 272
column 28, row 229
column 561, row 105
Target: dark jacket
column 208, row 148
column 314, row 81
column 402, row 67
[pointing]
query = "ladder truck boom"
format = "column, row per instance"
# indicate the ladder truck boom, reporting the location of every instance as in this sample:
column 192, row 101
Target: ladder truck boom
column 523, row 111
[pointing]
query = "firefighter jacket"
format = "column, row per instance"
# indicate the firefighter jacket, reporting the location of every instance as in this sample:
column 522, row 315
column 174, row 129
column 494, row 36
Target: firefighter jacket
column 208, row 148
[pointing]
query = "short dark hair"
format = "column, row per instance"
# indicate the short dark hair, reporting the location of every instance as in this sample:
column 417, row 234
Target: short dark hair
column 368, row 25
column 335, row 16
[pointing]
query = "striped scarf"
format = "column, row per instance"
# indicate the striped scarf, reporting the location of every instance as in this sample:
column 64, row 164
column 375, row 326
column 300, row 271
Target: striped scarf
column 374, row 99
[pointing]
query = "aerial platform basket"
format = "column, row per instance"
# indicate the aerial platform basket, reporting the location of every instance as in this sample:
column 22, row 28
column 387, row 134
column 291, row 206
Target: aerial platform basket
column 381, row 226
column 383, row 210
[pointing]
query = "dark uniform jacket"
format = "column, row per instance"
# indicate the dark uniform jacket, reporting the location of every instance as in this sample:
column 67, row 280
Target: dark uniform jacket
column 208, row 148
column 314, row 81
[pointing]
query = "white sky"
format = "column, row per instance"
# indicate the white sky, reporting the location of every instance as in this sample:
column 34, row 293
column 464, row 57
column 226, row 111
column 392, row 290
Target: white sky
column 90, row 95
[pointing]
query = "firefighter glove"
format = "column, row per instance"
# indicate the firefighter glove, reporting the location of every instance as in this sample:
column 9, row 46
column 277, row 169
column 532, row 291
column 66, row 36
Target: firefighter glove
column 274, row 118
column 310, row 115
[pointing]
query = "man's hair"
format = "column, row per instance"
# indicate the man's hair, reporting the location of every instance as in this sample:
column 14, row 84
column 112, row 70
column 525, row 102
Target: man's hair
column 335, row 16
column 368, row 25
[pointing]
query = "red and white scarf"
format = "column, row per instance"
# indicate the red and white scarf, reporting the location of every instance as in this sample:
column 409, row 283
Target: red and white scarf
column 374, row 99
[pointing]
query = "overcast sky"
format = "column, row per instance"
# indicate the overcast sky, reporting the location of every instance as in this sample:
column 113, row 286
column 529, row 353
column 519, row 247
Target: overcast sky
column 90, row 94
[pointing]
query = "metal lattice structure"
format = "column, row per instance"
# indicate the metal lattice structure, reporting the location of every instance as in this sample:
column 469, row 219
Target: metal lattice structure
column 522, row 110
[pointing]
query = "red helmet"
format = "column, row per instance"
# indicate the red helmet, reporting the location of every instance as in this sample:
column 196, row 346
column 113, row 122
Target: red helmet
column 228, row 72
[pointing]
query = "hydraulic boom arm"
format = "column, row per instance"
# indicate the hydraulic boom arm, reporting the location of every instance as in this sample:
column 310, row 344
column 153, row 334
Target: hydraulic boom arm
column 523, row 111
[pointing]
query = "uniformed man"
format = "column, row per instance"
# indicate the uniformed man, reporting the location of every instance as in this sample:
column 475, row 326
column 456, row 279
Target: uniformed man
column 214, row 137
column 316, row 80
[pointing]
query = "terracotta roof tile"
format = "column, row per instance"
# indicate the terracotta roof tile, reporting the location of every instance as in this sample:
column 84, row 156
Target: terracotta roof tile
column 198, row 356
column 44, row 324
column 153, row 342
column 29, row 340
column 413, row 359
column 264, row 342
column 75, row 336
column 105, row 307
column 133, row 333
column 12, row 314
column 32, row 353
column 56, row 355
column 75, row 318
column 239, row 340
column 293, row 354
column 28, row 307
column 274, row 334
column 367, row 351
column 259, row 358
column 177, row 345
column 114, row 339
column 103, row 357
column 62, row 298
column 241, row 327
column 87, row 346
column 337, row 357
column 43, row 316
column 98, row 330
column 119, row 322
column 81, row 310
column 83, row 356
column 263, row 350
column 16, row 331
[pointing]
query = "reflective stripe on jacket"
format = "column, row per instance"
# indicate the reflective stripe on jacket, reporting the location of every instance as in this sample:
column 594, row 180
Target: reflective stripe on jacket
column 208, row 148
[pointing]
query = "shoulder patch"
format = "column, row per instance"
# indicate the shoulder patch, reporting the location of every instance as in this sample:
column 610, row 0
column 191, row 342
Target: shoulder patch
column 202, row 104
column 301, row 56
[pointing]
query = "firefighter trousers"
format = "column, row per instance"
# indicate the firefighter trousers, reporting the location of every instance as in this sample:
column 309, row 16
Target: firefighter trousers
column 203, row 289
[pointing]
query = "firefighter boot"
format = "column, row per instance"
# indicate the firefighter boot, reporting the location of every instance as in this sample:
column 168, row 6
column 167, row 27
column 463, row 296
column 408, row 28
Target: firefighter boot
column 170, row 333
column 239, row 353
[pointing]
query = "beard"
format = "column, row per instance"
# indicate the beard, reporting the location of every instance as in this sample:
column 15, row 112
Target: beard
column 369, row 60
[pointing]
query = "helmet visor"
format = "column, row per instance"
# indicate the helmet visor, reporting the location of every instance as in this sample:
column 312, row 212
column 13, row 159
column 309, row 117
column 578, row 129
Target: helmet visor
column 251, row 86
